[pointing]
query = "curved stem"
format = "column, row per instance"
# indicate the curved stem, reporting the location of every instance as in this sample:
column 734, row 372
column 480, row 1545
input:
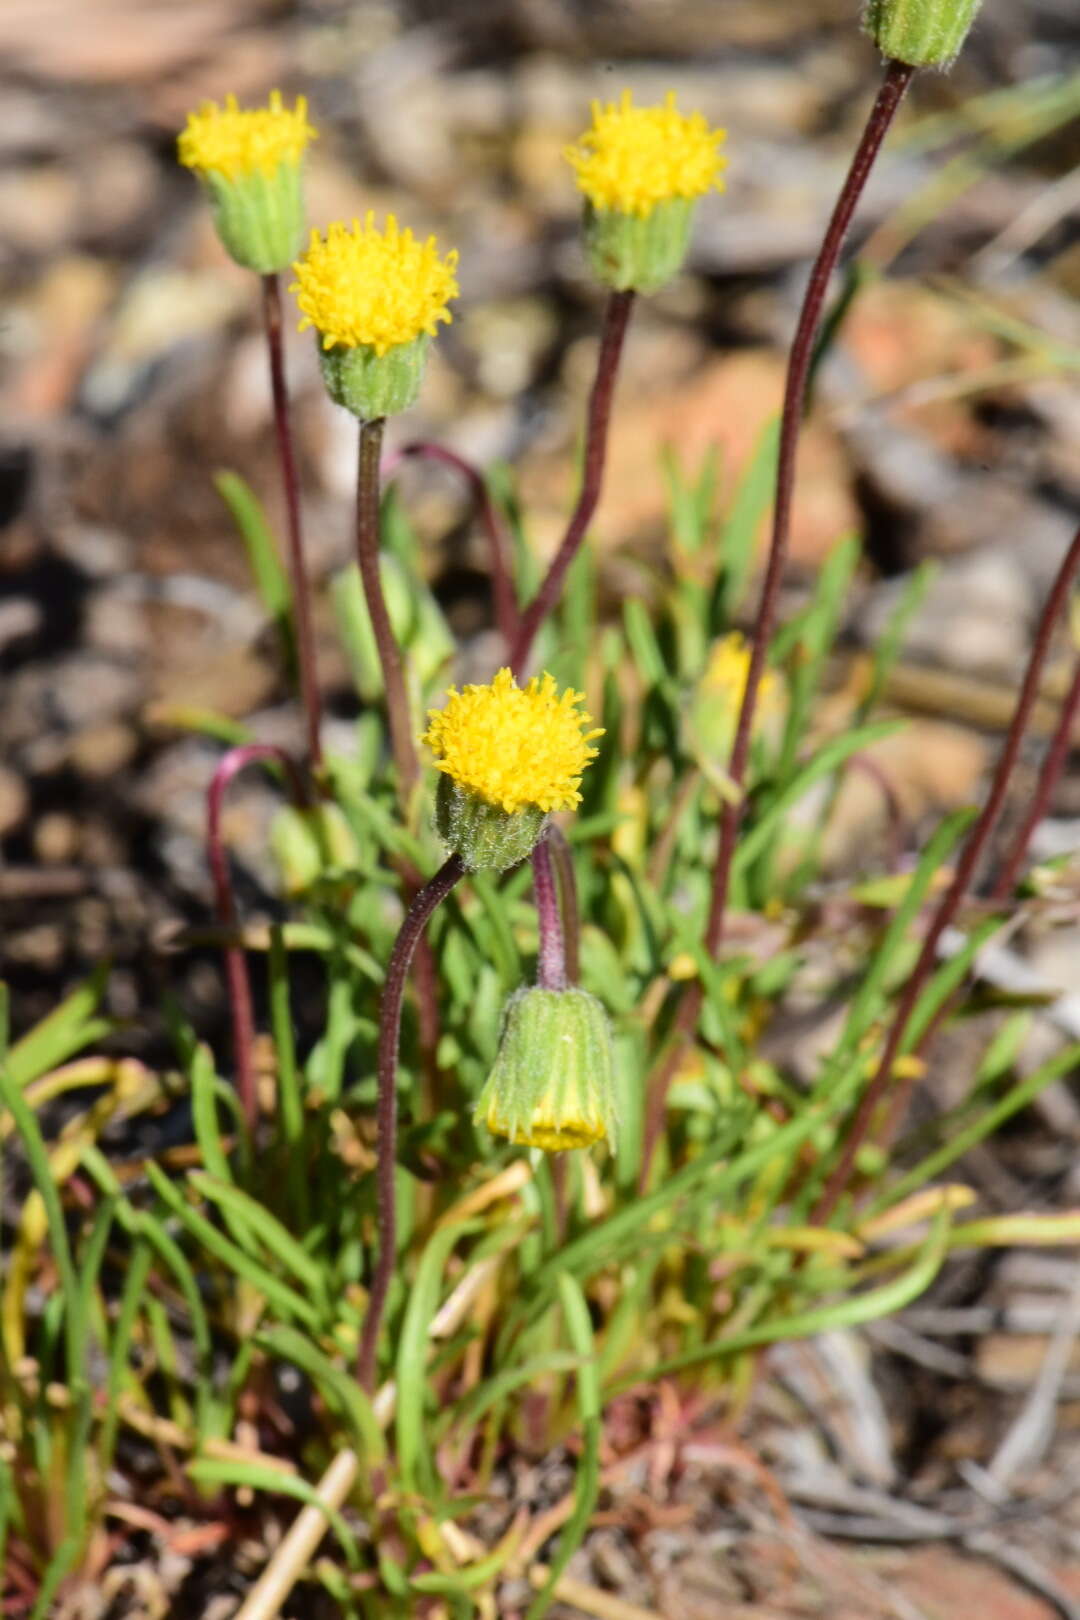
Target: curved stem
column 416, row 919
column 507, row 615
column 568, row 897
column 305, row 640
column 616, row 317
column 898, row 76
column 367, row 555
column 551, row 961
column 950, row 902
column 236, row 977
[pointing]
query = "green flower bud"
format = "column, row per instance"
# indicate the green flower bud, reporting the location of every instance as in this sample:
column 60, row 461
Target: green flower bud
column 487, row 837
column 370, row 384
column 923, row 33
column 553, row 1083
column 638, row 252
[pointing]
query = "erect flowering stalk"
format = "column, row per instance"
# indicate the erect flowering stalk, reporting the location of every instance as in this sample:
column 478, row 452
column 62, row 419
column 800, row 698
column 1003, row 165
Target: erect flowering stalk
column 236, row 978
column 893, row 87
column 640, row 171
column 502, row 585
column 250, row 161
column 509, row 756
column 375, row 300
column 977, row 841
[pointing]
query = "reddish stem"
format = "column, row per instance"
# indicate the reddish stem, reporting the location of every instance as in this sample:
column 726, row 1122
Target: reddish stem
column 551, row 961
column 507, row 616
column 416, row 920
column 1049, row 775
column 305, row 639
column 950, row 902
column 236, row 978
column 897, row 78
column 616, row 317
column 367, row 554
column 568, row 899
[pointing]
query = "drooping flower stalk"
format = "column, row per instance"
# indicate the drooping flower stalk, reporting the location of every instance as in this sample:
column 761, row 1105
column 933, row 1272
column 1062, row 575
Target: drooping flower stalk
column 616, row 318
column 236, row 977
column 897, row 77
column 305, row 639
column 563, row 858
column 863, row 1123
column 551, row 959
column 416, row 920
column 502, row 584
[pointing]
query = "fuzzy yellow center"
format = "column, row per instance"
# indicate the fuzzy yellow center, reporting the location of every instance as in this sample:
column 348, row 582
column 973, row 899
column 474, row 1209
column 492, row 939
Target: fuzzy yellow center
column 635, row 157
column 379, row 288
column 514, row 746
column 238, row 141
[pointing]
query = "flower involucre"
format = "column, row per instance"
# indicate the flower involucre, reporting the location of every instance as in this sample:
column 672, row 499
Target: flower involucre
column 633, row 158
column 514, row 746
column 372, row 287
column 236, row 141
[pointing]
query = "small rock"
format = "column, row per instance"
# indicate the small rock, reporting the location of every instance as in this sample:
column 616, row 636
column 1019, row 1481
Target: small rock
column 56, row 838
column 14, row 801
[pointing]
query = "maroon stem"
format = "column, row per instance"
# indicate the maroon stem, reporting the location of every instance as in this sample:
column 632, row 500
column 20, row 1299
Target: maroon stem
column 897, row 78
column 1049, row 775
column 616, row 317
column 568, row 897
column 551, row 961
column 236, row 978
column 305, row 639
column 951, row 900
column 416, row 920
column 367, row 554
column 507, row 616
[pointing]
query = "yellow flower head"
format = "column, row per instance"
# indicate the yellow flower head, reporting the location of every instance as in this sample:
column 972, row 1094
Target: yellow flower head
column 514, row 747
column 237, row 141
column 635, row 157
column 372, row 287
column 552, row 1085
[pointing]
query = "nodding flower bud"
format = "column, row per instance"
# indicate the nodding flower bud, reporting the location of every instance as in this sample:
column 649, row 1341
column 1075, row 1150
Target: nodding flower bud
column 509, row 756
column 375, row 299
column 250, row 161
column 641, row 170
column 553, row 1082
column 922, row 33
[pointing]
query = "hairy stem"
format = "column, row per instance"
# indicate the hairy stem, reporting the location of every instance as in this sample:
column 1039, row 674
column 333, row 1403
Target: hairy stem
column 616, row 317
column 507, row 616
column 897, row 78
column 416, row 920
column 551, row 962
column 568, row 899
column 305, row 640
column 971, row 854
column 238, row 987
column 367, row 554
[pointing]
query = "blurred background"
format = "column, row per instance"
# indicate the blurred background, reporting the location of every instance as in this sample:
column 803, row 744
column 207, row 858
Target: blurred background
column 946, row 424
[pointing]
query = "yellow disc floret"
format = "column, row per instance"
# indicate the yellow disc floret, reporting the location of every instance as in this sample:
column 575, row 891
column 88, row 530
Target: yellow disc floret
column 514, row 746
column 236, row 141
column 635, row 157
column 372, row 287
